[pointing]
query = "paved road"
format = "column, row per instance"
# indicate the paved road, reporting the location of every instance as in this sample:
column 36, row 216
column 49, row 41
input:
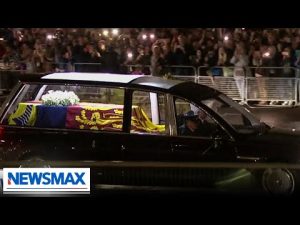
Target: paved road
column 281, row 117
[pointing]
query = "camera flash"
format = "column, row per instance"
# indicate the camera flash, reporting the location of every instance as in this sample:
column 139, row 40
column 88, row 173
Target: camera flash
column 115, row 31
column 105, row 32
column 129, row 55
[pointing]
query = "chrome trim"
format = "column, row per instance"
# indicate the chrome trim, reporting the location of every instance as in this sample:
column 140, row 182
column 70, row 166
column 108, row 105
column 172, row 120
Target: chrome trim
column 172, row 116
column 248, row 158
column 40, row 93
column 154, row 164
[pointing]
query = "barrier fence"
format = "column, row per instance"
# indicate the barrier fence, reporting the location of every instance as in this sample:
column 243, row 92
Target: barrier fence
column 182, row 70
column 227, row 85
column 259, row 83
column 271, row 89
column 252, row 89
column 187, row 78
column 248, row 71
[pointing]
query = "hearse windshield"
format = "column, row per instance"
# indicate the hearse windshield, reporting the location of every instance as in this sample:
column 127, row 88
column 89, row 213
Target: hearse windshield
column 234, row 114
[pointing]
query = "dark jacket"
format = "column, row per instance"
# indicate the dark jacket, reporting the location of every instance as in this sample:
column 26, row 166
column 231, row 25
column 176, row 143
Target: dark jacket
column 204, row 129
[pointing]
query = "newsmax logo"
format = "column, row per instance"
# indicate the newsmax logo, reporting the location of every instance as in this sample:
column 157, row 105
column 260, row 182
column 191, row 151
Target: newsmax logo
column 46, row 179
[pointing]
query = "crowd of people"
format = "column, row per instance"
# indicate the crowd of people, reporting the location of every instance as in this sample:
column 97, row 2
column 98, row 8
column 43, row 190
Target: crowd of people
column 236, row 52
column 111, row 50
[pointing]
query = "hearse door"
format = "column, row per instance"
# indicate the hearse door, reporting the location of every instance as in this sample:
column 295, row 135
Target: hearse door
column 147, row 128
column 197, row 139
column 189, row 149
column 147, row 136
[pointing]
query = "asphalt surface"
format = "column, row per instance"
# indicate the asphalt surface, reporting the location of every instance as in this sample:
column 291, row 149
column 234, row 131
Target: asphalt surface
column 279, row 116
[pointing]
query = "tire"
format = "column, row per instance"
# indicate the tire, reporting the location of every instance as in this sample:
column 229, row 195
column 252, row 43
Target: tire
column 279, row 182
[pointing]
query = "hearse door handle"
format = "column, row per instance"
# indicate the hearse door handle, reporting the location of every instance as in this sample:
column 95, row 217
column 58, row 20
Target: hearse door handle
column 93, row 144
column 178, row 146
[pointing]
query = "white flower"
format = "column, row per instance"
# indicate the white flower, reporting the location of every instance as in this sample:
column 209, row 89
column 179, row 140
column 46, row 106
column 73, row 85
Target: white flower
column 60, row 98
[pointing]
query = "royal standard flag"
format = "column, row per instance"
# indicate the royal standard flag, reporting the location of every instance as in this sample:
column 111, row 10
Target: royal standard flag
column 25, row 115
column 95, row 117
column 51, row 116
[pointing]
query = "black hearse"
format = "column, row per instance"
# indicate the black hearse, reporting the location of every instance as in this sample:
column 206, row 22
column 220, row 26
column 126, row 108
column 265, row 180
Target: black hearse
column 141, row 130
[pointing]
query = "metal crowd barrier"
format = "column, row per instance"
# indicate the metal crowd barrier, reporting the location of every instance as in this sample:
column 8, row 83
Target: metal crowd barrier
column 136, row 69
column 252, row 87
column 255, row 88
column 61, row 67
column 258, row 83
column 229, row 71
column 215, row 71
column 271, row 89
column 187, row 78
column 227, row 85
column 284, row 71
column 180, row 70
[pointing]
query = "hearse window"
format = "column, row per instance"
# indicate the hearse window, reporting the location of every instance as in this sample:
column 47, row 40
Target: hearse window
column 234, row 114
column 68, row 107
column 92, row 94
column 193, row 121
column 148, row 113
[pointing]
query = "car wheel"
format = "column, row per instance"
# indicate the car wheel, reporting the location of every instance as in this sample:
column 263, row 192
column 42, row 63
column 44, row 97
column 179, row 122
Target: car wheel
column 279, row 181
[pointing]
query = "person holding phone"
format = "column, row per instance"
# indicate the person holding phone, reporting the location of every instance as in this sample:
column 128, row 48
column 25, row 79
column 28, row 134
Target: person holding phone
column 286, row 63
column 157, row 61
